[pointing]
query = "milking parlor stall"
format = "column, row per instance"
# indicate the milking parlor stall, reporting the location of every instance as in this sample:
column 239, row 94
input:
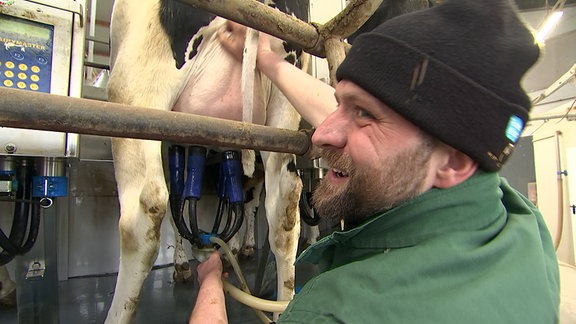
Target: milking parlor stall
column 60, row 246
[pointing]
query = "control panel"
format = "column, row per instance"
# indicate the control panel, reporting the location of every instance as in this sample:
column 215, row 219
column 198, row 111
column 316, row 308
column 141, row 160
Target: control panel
column 26, row 49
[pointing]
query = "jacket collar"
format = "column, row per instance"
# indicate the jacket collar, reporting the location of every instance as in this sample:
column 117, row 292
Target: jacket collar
column 473, row 204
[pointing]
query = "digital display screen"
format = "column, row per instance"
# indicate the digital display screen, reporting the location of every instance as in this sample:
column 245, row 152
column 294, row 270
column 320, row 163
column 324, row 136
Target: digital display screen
column 25, row 28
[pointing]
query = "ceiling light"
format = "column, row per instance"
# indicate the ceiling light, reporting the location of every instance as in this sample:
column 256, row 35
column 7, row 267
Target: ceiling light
column 550, row 23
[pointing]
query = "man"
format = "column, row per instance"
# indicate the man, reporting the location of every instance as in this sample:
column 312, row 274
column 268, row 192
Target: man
column 429, row 107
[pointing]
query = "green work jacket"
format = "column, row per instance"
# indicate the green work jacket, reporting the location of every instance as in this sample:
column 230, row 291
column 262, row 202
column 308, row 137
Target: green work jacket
column 478, row 252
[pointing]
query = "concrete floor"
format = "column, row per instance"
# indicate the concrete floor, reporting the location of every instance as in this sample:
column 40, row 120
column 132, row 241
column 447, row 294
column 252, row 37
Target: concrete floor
column 87, row 299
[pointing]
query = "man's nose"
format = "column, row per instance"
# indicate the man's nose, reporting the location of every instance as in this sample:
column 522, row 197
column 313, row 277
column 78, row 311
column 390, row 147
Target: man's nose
column 332, row 131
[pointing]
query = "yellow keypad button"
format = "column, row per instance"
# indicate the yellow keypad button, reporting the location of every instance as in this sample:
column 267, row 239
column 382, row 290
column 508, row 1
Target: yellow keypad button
column 22, row 76
column 23, row 67
column 8, row 83
column 34, row 86
column 35, row 69
column 9, row 74
column 10, row 65
column 21, row 85
column 34, row 78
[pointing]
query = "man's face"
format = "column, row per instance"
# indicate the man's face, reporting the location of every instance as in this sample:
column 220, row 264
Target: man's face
column 377, row 159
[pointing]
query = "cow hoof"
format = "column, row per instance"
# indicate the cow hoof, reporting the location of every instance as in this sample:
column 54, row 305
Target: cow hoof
column 182, row 273
column 247, row 252
column 8, row 300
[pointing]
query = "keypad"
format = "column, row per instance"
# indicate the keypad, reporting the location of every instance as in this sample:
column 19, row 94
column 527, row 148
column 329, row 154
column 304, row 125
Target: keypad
column 21, row 75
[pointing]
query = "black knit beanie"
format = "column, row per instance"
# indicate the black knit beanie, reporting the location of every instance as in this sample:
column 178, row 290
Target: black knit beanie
column 453, row 70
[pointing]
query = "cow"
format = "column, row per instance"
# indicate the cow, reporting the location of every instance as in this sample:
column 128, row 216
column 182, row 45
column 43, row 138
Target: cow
column 166, row 55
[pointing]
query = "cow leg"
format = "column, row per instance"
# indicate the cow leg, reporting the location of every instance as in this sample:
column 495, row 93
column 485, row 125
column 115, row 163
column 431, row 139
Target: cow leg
column 7, row 289
column 143, row 196
column 251, row 207
column 140, row 54
column 253, row 188
column 283, row 188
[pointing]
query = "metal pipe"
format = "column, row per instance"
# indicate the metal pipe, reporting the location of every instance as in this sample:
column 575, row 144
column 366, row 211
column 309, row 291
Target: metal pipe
column 33, row 110
column 344, row 24
column 97, row 65
column 267, row 19
column 559, row 83
column 52, row 167
column 335, row 54
column 341, row 26
column 558, row 116
column 92, row 31
column 276, row 23
column 560, row 186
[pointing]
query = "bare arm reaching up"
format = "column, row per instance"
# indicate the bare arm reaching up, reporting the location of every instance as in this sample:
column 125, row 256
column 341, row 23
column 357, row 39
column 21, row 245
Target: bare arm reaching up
column 210, row 304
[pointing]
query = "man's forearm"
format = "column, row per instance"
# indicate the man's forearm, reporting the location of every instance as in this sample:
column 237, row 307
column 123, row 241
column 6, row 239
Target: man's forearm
column 312, row 98
column 210, row 304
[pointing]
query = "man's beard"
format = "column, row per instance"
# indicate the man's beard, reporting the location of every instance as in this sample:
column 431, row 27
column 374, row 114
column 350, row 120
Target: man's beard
column 373, row 190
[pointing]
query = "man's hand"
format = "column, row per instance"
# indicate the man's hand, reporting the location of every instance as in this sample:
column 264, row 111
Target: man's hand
column 232, row 38
column 210, row 304
column 212, row 267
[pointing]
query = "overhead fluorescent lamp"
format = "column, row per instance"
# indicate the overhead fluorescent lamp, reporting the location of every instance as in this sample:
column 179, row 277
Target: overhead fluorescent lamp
column 549, row 25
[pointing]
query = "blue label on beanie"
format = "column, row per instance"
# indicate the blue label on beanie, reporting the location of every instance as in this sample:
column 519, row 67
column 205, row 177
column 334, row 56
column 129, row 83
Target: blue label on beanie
column 514, row 128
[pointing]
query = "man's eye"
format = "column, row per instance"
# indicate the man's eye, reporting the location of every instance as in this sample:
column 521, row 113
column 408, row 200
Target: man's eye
column 363, row 113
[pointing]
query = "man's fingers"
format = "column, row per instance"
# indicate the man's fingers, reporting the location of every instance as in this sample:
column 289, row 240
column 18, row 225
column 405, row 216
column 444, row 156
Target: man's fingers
column 224, row 35
column 232, row 36
column 235, row 27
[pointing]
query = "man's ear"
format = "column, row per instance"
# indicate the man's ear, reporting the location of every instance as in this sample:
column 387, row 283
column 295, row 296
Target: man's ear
column 457, row 168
